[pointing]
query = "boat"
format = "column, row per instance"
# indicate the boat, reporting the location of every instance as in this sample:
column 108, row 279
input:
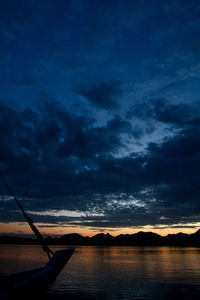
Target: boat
column 28, row 284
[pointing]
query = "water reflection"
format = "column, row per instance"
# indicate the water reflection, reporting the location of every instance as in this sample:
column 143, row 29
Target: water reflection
column 116, row 272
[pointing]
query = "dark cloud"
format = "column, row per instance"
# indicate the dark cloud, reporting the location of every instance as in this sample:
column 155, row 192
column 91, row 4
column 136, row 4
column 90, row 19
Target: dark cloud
column 53, row 145
column 174, row 166
column 55, row 160
column 103, row 95
column 162, row 110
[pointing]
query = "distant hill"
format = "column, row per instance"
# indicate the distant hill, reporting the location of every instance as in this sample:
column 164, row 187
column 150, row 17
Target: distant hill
column 101, row 239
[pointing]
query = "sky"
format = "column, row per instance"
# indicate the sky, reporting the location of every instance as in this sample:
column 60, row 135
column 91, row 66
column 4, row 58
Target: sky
column 100, row 115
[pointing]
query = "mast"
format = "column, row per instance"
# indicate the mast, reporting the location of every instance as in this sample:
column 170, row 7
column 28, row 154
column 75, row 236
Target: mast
column 41, row 240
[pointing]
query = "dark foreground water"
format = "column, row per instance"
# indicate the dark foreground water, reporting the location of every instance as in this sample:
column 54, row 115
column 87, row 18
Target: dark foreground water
column 115, row 272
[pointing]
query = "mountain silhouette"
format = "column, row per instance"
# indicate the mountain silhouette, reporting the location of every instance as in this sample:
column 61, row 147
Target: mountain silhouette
column 137, row 239
column 102, row 239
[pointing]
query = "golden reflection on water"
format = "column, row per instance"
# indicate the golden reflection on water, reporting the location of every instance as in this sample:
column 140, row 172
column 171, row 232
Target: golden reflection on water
column 113, row 270
column 154, row 263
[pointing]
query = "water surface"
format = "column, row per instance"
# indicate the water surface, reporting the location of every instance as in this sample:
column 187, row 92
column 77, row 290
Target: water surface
column 115, row 272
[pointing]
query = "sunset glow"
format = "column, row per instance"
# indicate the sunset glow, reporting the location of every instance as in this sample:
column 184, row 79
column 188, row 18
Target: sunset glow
column 22, row 229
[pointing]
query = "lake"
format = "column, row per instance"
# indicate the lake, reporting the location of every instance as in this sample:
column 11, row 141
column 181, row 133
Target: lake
column 114, row 272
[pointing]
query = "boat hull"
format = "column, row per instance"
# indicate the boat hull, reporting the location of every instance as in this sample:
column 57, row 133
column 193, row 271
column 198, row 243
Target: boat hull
column 36, row 281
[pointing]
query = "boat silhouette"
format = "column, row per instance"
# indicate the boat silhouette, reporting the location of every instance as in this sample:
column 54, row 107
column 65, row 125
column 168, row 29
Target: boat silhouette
column 34, row 282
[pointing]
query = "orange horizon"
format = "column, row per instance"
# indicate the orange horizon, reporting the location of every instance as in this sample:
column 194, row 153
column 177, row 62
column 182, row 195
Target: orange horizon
column 49, row 229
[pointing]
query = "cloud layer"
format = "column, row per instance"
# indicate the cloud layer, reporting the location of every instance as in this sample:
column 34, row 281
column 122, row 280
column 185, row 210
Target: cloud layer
column 58, row 161
column 99, row 111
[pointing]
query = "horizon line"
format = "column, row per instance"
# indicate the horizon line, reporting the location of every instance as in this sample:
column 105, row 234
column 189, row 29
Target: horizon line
column 12, row 234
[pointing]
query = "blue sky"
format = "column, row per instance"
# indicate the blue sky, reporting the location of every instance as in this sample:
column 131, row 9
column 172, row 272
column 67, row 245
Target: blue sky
column 100, row 112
